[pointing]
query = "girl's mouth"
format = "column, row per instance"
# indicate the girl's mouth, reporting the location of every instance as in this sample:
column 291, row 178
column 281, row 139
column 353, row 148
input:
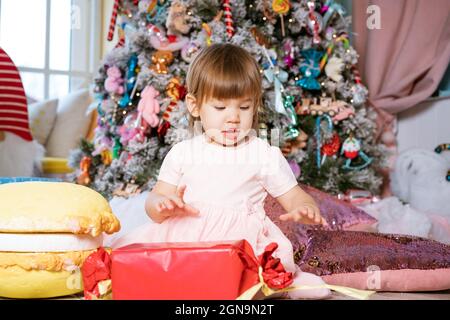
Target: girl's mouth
column 231, row 132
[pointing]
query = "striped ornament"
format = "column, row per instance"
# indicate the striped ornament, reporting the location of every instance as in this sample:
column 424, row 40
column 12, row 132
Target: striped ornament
column 228, row 18
column 112, row 22
column 13, row 102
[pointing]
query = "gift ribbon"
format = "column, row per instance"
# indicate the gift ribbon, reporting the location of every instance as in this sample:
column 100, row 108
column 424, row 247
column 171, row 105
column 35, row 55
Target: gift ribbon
column 277, row 77
column 267, row 291
column 310, row 70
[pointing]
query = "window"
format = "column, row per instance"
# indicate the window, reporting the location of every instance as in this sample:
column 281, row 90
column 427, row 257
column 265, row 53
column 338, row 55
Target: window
column 54, row 43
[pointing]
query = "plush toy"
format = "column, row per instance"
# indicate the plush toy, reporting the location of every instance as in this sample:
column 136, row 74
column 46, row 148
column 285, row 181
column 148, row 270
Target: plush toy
column 421, row 194
column 20, row 155
column 161, row 61
column 114, row 81
column 148, row 106
column 419, row 178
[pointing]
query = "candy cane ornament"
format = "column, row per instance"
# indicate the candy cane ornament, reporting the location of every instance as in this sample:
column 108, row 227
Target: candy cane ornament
column 112, row 22
column 228, row 18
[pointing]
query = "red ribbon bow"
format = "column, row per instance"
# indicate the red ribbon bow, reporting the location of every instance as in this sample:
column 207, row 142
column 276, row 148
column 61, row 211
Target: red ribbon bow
column 274, row 274
column 96, row 267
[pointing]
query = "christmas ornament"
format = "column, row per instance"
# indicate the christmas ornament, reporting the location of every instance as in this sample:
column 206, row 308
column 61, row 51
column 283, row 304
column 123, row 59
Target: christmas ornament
column 302, row 107
column 208, row 32
column 84, row 178
column 114, row 81
column 190, row 50
column 131, row 82
column 344, row 111
column 228, row 18
column 291, row 147
column 330, row 8
column 351, row 149
column 291, row 132
column 170, row 43
column 359, row 91
column 330, row 148
column 315, row 23
column 318, row 135
column 106, row 157
column 288, row 48
column 276, row 76
column 176, row 22
column 155, row 8
column 343, row 37
column 260, row 38
column 310, row 69
column 176, row 92
column 325, row 106
column 116, row 148
column 121, row 32
column 112, row 22
column 281, row 7
column 334, row 68
column 148, row 106
column 101, row 143
column 161, row 60
column 132, row 128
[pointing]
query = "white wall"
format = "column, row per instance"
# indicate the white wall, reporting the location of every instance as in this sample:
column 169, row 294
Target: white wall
column 425, row 126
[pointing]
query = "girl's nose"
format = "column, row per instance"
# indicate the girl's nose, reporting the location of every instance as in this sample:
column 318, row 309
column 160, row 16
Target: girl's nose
column 233, row 116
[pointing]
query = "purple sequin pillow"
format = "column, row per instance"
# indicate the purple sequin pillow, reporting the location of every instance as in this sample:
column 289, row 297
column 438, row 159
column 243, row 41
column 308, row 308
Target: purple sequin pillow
column 339, row 214
column 375, row 261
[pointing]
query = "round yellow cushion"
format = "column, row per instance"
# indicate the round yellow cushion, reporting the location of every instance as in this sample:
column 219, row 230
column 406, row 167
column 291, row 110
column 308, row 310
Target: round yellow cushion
column 16, row 282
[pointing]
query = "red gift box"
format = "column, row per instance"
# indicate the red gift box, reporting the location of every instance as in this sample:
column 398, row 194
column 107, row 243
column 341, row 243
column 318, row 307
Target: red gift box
column 191, row 271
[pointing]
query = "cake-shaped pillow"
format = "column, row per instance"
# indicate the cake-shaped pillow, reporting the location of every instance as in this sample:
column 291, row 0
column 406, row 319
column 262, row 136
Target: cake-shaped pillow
column 47, row 229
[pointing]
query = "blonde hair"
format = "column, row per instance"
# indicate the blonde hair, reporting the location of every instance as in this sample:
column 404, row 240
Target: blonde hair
column 224, row 71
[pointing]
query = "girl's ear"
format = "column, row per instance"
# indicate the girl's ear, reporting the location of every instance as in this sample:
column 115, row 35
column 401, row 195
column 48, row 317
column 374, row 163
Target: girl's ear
column 191, row 103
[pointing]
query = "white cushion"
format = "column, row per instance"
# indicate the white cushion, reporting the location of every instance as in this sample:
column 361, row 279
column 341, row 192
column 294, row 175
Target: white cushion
column 42, row 116
column 72, row 124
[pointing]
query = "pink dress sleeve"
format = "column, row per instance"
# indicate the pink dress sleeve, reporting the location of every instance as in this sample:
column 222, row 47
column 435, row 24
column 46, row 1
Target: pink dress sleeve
column 276, row 175
column 170, row 170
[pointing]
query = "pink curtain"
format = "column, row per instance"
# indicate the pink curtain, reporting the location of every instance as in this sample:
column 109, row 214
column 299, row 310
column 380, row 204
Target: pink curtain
column 403, row 62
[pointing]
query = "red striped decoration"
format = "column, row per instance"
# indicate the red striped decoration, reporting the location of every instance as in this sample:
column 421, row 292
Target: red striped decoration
column 112, row 22
column 13, row 102
column 228, row 18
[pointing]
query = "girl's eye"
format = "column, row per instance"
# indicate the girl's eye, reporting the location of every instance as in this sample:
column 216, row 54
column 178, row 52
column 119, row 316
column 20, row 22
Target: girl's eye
column 220, row 108
column 245, row 108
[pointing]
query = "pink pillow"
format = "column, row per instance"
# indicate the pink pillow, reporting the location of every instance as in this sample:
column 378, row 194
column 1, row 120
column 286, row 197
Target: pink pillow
column 375, row 261
column 339, row 214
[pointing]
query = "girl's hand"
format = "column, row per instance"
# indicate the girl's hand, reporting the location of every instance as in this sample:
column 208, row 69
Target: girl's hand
column 307, row 214
column 174, row 205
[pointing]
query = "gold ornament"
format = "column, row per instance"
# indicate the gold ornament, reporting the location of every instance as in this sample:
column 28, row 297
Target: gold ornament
column 84, row 178
column 161, row 60
column 106, row 157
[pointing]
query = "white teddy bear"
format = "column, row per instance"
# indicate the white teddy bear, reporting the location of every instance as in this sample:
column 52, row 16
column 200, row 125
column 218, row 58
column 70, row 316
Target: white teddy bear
column 420, row 205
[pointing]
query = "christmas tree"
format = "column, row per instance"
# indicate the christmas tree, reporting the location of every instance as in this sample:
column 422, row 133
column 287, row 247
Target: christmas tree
column 314, row 105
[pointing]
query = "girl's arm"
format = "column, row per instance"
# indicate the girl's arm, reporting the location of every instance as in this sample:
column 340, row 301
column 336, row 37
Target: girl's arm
column 300, row 207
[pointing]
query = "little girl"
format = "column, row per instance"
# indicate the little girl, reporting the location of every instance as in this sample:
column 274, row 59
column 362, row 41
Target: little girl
column 212, row 187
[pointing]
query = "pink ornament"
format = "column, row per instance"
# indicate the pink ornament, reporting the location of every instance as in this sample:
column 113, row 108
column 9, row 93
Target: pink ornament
column 114, row 81
column 148, row 106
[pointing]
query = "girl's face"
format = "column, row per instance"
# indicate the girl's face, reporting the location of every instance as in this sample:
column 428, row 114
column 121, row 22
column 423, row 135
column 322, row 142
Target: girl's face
column 226, row 122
